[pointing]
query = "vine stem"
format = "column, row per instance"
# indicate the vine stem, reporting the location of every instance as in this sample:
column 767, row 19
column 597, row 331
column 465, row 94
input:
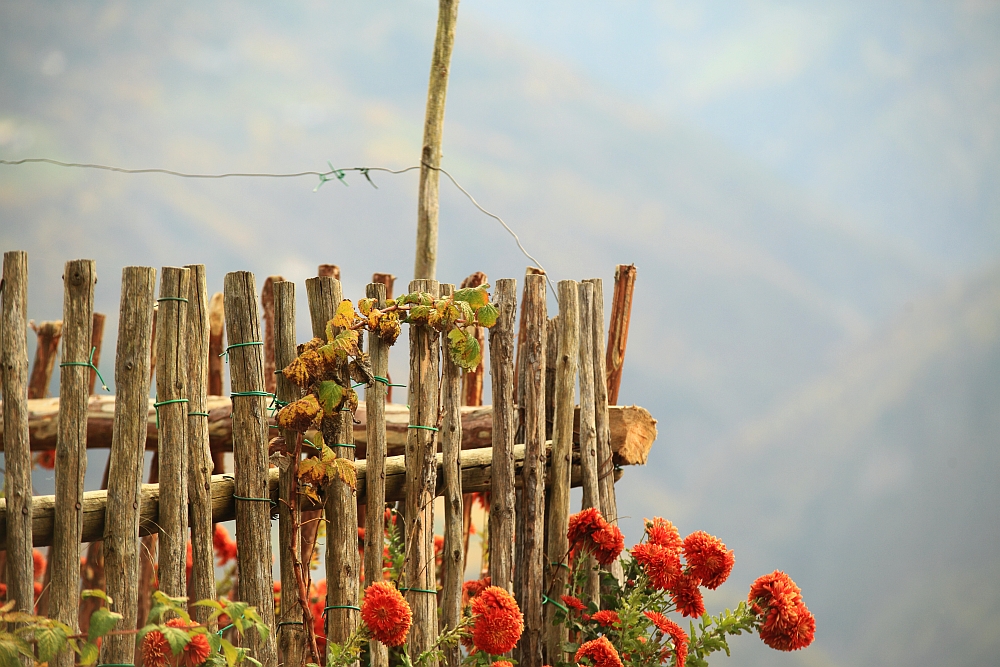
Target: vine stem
column 296, row 562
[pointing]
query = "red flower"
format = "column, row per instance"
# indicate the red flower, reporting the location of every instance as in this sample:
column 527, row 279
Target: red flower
column 663, row 533
column 606, row 617
column 674, row 631
column 3, row 591
column 574, row 603
column 608, row 543
column 708, row 558
column 788, row 623
column 38, row 560
column 471, row 589
column 38, row 589
column 46, row 459
column 502, row 663
column 588, row 530
column 584, row 524
column 497, row 623
column 601, row 653
column 386, row 613
column 686, row 596
column 225, row 547
column 189, row 562
column 661, row 564
column 155, row 649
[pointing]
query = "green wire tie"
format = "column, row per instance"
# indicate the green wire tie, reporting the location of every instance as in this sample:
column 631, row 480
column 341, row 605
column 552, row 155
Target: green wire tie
column 172, row 298
column 156, row 406
column 426, row 428
column 247, row 497
column 420, row 590
column 547, row 600
column 197, row 414
column 224, row 629
column 559, row 565
column 310, row 443
column 225, row 353
column 340, row 606
column 89, row 364
column 344, row 444
column 386, row 382
column 360, row 384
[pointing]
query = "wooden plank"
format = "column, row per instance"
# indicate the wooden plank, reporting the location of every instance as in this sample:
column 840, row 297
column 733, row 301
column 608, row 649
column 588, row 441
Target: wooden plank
column 124, row 493
column 375, row 398
column 502, row 494
column 562, row 444
column 588, row 429
column 421, row 476
column 531, row 546
column 453, row 551
column 621, row 314
column 46, row 350
column 14, row 374
column 79, row 278
column 267, row 308
column 172, row 399
column 199, row 463
column 291, row 629
column 253, row 525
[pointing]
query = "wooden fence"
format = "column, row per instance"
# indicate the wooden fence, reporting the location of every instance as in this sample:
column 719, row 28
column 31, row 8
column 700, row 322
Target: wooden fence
column 526, row 450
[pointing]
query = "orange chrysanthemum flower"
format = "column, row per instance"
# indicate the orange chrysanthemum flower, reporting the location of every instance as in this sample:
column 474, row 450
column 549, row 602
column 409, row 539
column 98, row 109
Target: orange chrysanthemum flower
column 46, row 459
column 573, row 603
column 788, row 623
column 793, row 635
column 497, row 623
column 38, row 589
column 589, row 531
column 471, row 589
column 608, row 544
column 155, row 650
column 708, row 558
column 606, row 617
column 225, row 546
column 584, row 524
column 600, row 652
column 686, row 596
column 661, row 564
column 39, row 562
column 674, row 631
column 386, row 614
column 502, row 663
column 663, row 533
column 3, row 591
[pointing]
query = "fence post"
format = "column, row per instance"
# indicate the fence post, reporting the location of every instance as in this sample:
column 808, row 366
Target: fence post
column 502, row 486
column 532, row 514
column 562, row 459
column 621, row 313
column 48, row 335
column 253, row 526
column 96, row 339
column 216, row 328
column 375, row 398
column 128, row 443
column 16, row 443
column 199, row 464
column 171, row 409
column 421, row 479
column 588, row 429
column 453, row 554
column 342, row 559
column 605, row 465
column 79, row 277
column 267, row 308
column 291, row 633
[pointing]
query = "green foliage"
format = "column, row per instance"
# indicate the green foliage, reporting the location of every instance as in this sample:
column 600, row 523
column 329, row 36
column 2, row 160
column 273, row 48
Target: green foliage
column 710, row 636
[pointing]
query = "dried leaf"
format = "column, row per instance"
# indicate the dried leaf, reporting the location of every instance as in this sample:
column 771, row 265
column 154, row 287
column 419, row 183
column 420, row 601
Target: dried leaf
column 306, row 369
column 312, row 344
column 347, row 472
column 346, row 340
column 448, row 312
column 388, row 328
column 344, row 317
column 360, row 370
column 464, row 349
column 419, row 315
column 365, row 306
column 301, row 415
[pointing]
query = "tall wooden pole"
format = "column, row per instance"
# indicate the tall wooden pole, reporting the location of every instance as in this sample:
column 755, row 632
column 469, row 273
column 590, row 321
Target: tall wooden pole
column 501, row 533
column 425, row 265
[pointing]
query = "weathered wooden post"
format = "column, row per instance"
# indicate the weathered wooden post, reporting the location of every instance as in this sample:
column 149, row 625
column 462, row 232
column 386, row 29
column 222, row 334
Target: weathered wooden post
column 291, row 633
column 621, row 314
column 421, row 478
column 250, row 437
column 199, row 464
column 502, row 490
column 121, row 523
column 588, row 429
column 79, row 278
column 48, row 334
column 532, row 511
column 171, row 409
column 562, row 459
column 453, row 554
column 267, row 307
column 16, row 443
column 375, row 398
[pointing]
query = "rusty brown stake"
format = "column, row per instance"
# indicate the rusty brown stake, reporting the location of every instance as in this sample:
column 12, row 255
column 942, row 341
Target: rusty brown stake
column 267, row 307
column 79, row 278
column 621, row 314
column 48, row 334
column 121, row 528
column 216, row 329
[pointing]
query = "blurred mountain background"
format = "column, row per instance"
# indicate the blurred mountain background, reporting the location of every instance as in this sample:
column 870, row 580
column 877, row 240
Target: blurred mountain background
column 809, row 192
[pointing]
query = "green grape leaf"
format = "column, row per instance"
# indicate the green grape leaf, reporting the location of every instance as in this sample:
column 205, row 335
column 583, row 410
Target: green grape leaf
column 464, row 349
column 101, row 622
column 89, row 653
column 96, row 593
column 231, row 653
column 476, row 297
column 419, row 314
column 331, row 395
column 486, row 316
column 177, row 638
